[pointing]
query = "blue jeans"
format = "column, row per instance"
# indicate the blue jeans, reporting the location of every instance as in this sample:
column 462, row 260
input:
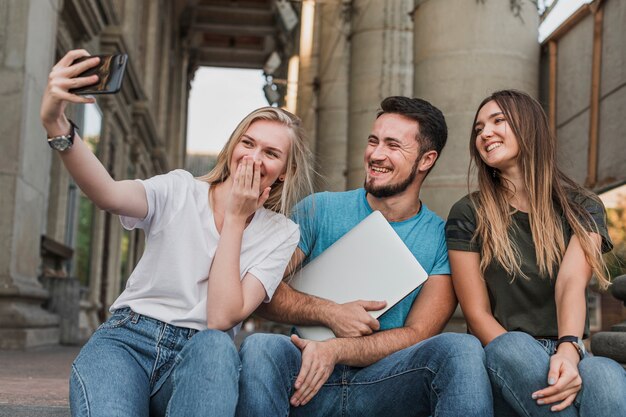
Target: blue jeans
column 441, row 376
column 134, row 365
column 518, row 365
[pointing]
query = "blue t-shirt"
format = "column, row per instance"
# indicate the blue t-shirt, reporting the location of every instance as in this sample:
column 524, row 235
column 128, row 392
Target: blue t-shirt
column 325, row 217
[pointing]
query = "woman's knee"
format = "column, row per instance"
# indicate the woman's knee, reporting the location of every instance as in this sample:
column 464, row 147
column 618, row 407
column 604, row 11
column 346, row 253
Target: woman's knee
column 210, row 348
column 603, row 379
column 264, row 345
column 460, row 347
column 466, row 355
column 517, row 359
column 511, row 346
column 95, row 388
column 604, row 387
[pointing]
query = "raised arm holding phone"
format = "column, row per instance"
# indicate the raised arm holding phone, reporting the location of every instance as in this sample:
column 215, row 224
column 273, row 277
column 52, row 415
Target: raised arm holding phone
column 217, row 247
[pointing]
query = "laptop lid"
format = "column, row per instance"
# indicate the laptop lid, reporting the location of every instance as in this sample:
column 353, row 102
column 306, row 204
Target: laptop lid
column 370, row 262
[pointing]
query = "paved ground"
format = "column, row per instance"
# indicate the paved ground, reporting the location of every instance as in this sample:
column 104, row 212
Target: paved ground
column 34, row 382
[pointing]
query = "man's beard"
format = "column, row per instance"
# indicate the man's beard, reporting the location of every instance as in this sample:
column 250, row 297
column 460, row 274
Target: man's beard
column 390, row 190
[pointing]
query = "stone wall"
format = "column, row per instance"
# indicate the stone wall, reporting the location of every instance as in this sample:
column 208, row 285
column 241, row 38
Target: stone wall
column 142, row 133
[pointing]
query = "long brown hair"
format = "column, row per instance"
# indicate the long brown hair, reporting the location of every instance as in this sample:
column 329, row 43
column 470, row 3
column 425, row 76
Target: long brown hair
column 298, row 176
column 551, row 195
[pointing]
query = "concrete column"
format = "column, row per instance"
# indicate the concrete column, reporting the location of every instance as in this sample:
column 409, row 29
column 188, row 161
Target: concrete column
column 381, row 65
column 306, row 107
column 465, row 50
column 176, row 108
column 152, row 34
column 58, row 201
column 332, row 110
column 27, row 45
column 165, row 74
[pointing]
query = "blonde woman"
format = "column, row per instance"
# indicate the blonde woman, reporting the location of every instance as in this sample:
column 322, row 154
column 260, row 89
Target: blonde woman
column 216, row 248
column 522, row 251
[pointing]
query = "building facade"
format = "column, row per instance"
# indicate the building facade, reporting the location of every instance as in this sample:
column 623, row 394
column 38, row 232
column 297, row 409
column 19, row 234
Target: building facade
column 51, row 233
column 331, row 62
column 64, row 261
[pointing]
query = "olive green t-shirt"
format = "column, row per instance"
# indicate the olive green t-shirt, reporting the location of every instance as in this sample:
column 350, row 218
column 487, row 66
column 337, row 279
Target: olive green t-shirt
column 519, row 304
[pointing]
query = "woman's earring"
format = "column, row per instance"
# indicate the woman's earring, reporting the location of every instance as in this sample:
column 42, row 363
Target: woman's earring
column 281, row 178
column 493, row 173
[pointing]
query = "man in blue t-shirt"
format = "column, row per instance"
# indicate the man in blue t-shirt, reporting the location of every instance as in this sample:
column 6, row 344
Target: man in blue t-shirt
column 400, row 365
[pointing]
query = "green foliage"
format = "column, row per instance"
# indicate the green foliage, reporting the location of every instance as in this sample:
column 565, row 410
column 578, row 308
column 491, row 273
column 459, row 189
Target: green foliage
column 83, row 243
column 124, row 254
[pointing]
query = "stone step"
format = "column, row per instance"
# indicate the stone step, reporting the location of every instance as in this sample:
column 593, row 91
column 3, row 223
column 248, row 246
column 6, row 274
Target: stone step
column 33, row 411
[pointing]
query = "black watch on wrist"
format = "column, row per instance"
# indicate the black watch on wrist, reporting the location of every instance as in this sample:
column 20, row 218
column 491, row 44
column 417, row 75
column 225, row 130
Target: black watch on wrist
column 64, row 142
column 576, row 341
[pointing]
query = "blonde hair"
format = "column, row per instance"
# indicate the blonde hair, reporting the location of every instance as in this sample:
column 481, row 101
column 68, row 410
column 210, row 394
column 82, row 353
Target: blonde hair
column 298, row 175
column 549, row 190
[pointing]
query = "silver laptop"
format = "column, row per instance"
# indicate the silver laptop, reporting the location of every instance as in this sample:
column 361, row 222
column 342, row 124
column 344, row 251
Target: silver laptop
column 370, row 262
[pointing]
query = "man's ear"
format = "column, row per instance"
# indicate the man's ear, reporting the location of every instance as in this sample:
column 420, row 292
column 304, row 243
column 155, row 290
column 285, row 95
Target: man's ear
column 428, row 160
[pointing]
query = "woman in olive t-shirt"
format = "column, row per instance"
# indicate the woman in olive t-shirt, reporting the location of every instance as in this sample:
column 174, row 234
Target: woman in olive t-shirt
column 522, row 251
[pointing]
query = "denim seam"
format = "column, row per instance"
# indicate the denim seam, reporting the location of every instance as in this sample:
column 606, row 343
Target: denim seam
column 169, row 403
column 391, row 376
column 106, row 325
column 433, row 389
column 344, row 392
column 505, row 385
column 157, row 356
column 84, row 403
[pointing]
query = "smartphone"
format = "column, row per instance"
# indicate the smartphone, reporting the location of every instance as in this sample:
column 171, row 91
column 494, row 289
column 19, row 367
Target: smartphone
column 110, row 71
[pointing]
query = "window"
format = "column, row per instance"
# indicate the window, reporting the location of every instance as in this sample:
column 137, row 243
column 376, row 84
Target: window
column 92, row 127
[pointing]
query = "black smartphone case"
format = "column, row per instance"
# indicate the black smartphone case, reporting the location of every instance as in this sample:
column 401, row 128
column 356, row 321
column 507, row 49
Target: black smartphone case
column 110, row 73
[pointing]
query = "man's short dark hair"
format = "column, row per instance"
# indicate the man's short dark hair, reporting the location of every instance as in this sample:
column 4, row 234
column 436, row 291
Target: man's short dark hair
column 433, row 131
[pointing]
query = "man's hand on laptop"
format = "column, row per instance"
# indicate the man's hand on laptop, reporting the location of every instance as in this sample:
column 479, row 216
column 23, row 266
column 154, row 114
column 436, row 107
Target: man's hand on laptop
column 352, row 319
column 318, row 362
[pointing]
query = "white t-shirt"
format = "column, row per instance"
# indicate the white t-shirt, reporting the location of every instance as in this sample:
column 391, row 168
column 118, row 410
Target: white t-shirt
column 170, row 281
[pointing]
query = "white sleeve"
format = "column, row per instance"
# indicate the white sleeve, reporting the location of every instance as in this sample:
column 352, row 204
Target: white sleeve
column 270, row 270
column 164, row 194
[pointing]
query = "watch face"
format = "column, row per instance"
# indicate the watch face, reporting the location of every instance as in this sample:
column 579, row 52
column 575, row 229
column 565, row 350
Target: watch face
column 60, row 144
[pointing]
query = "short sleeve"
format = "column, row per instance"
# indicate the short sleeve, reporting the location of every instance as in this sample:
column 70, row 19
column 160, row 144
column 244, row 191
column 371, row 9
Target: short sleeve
column 442, row 264
column 161, row 192
column 271, row 269
column 596, row 210
column 303, row 216
column 461, row 226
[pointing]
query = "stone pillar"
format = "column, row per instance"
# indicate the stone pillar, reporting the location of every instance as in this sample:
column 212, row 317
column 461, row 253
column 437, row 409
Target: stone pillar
column 27, row 45
column 465, row 50
column 177, row 107
column 306, row 106
column 381, row 65
column 613, row 344
column 332, row 110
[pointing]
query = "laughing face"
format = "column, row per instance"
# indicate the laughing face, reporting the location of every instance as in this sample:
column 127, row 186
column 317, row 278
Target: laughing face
column 495, row 141
column 392, row 155
column 268, row 142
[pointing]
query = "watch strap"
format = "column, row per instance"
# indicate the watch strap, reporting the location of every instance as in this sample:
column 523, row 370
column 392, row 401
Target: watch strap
column 69, row 137
column 576, row 341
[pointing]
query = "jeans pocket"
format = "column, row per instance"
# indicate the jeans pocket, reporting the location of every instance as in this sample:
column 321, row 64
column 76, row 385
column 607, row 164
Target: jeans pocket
column 118, row 319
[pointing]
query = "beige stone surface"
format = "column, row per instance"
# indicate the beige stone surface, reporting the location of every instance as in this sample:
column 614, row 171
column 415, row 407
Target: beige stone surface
column 380, row 65
column 463, row 51
column 36, row 377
